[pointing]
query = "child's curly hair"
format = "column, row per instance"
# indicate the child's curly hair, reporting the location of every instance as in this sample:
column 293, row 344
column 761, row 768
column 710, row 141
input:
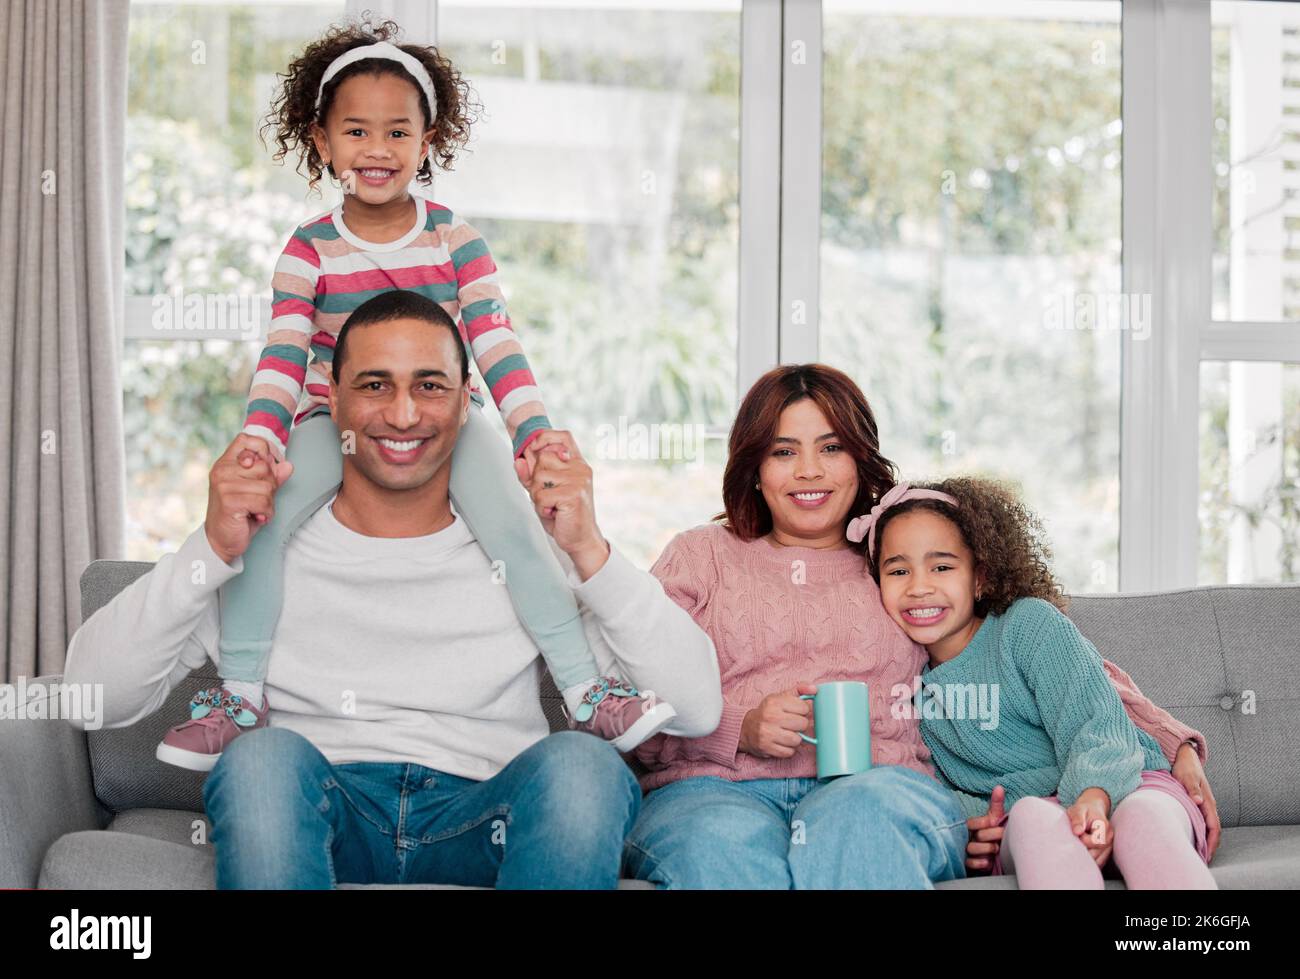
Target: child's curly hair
column 1005, row 537
column 293, row 110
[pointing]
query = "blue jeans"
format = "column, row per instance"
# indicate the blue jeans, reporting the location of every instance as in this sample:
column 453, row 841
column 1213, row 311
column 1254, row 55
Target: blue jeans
column 886, row 828
column 282, row 816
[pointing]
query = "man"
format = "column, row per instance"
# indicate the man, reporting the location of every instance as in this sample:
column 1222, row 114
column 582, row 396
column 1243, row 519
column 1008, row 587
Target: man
column 406, row 740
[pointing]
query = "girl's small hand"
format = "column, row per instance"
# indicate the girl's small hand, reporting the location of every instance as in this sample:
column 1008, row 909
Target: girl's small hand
column 1089, row 820
column 986, row 834
column 282, row 470
column 526, row 464
column 563, row 498
column 1188, row 771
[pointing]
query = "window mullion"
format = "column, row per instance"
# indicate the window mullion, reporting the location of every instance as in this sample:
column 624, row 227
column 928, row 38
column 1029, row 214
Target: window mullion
column 1167, row 235
column 758, row 303
column 801, row 180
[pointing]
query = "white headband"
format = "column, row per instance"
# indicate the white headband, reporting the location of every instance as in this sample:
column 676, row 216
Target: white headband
column 389, row 52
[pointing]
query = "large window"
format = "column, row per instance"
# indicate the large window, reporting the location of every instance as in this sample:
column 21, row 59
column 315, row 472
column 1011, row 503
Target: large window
column 1042, row 262
column 970, row 249
column 1256, row 52
column 207, row 214
column 1250, row 468
column 604, row 176
column 1249, row 506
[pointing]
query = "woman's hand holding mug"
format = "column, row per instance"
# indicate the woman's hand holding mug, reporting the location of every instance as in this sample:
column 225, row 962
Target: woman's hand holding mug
column 771, row 730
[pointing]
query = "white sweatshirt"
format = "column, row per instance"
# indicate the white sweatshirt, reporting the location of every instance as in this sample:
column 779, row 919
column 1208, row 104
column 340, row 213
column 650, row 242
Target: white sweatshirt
column 394, row 649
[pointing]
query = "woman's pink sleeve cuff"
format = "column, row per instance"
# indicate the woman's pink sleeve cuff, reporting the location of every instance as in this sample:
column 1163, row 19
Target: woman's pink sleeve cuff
column 1172, row 736
column 1198, row 742
column 723, row 744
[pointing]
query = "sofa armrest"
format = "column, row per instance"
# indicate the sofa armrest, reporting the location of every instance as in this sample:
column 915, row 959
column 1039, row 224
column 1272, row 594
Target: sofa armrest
column 45, row 785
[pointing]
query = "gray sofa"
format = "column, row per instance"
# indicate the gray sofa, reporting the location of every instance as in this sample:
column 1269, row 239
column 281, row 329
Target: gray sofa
column 96, row 810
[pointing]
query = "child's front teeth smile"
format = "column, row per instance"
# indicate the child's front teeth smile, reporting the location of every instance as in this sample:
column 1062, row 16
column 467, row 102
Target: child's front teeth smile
column 924, row 616
column 373, row 175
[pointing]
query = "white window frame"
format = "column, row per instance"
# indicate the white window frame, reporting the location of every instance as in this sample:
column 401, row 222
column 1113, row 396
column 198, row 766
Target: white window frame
column 1168, row 252
column 801, row 181
column 758, row 305
column 1167, row 246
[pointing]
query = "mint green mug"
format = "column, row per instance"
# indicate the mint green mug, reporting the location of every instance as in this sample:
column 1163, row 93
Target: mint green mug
column 842, row 716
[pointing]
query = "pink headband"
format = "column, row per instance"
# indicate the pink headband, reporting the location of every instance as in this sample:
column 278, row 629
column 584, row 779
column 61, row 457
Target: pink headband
column 865, row 526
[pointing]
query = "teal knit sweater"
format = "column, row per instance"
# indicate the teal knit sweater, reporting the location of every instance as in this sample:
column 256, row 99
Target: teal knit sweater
column 1060, row 725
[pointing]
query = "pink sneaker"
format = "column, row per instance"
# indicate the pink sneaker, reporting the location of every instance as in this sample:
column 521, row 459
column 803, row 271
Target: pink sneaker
column 217, row 717
column 616, row 711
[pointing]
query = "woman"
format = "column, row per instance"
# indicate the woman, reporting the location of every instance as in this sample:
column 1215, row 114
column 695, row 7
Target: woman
column 789, row 604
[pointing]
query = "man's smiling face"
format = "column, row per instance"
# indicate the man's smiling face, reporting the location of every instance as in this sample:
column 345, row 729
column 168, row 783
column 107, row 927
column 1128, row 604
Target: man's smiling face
column 401, row 395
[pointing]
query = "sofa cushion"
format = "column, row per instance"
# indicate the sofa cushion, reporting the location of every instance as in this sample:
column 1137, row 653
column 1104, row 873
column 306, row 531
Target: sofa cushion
column 1259, row 628
column 106, row 860
column 154, row 849
column 1196, row 653
column 1248, row 858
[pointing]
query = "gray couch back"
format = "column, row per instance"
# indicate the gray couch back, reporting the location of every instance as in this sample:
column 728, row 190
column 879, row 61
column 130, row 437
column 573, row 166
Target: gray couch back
column 1226, row 661
column 1203, row 654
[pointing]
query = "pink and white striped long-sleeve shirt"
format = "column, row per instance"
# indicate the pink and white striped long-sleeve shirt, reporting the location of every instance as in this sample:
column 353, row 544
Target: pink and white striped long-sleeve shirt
column 326, row 271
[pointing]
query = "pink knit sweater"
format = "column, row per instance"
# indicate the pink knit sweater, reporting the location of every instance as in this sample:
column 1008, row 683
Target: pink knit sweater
column 780, row 616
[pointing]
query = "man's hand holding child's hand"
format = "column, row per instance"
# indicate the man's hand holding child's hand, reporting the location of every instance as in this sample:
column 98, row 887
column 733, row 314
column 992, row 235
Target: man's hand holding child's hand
column 241, row 494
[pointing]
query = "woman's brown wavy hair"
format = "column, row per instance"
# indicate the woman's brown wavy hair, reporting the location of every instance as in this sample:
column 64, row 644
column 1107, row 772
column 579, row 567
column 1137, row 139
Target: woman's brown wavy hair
column 1006, row 540
column 747, row 514
column 293, row 110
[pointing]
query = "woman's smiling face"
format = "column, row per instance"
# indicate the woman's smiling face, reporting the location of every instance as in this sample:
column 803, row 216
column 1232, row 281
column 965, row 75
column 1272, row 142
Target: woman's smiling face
column 808, row 479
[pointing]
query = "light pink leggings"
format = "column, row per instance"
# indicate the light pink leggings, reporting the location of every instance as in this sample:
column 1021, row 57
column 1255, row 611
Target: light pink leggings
column 1154, row 847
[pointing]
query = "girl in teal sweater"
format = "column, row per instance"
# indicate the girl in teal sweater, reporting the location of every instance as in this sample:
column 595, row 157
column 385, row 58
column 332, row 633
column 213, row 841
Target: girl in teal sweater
column 1015, row 696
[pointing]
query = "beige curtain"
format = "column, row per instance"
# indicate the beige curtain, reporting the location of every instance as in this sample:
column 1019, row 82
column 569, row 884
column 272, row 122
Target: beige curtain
column 63, row 64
